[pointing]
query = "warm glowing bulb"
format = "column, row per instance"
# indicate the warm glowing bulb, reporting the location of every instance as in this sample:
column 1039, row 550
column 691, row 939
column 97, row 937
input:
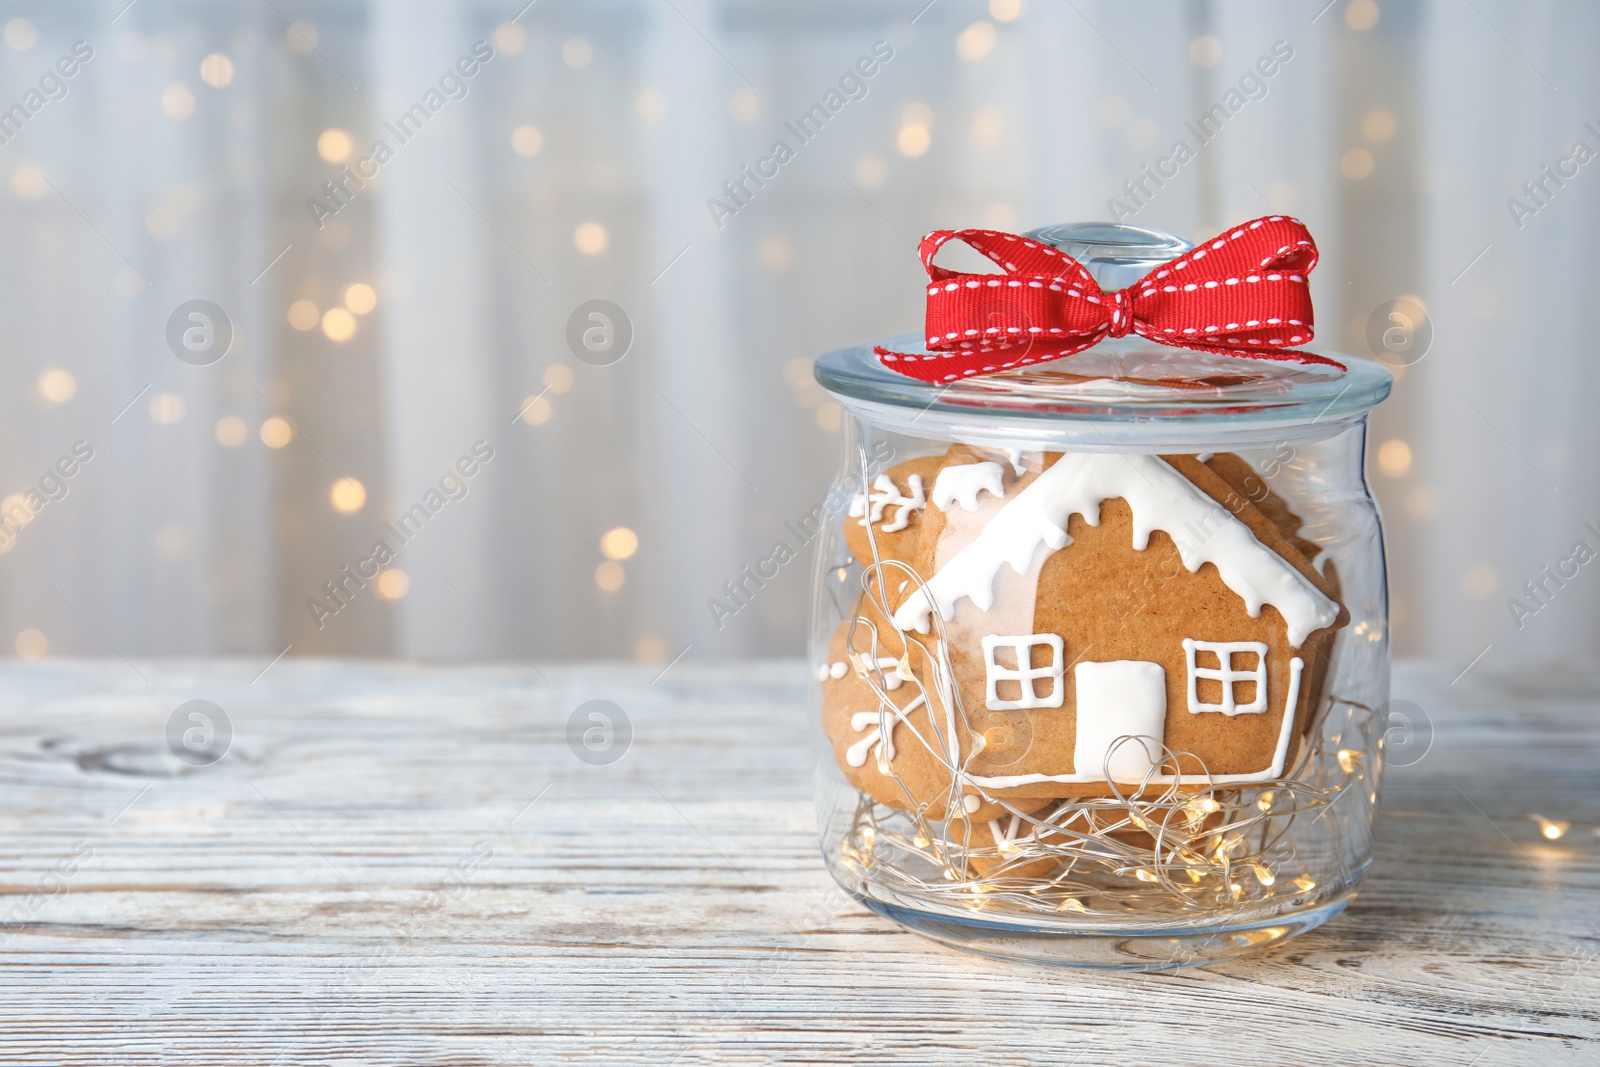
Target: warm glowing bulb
column 276, row 432
column 526, row 140
column 57, row 386
column 29, row 182
column 167, row 408
column 914, row 139
column 360, row 298
column 576, row 53
column 1378, row 125
column 1361, row 15
column 1552, row 829
column 347, row 496
column 1356, row 163
column 16, row 510
column 975, row 41
column 334, row 145
column 32, row 644
column 231, row 431
column 303, row 315
column 619, row 543
column 558, row 376
column 536, row 411
column 21, row 34
column 591, row 238
column 178, row 102
column 1394, row 458
column 509, row 38
column 392, row 584
column 1205, row 51
column 1349, row 760
column 609, row 576
column 216, row 70
column 338, row 324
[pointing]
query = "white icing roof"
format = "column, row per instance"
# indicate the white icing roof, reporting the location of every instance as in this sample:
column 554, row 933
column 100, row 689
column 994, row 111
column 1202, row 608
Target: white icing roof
column 1161, row 499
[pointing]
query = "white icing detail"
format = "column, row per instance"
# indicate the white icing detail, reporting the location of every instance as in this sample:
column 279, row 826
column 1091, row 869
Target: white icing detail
column 961, row 485
column 1285, row 732
column 1008, row 838
column 970, row 803
column 872, row 721
column 1225, row 673
column 1161, row 499
column 885, row 495
column 1024, row 674
column 1120, row 698
column 838, row 670
column 891, row 677
column 1015, row 456
column 822, row 672
column 1205, row 457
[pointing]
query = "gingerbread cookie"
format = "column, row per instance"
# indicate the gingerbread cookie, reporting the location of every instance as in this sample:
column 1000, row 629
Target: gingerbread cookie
column 907, row 767
column 1107, row 610
column 1245, row 480
column 891, row 514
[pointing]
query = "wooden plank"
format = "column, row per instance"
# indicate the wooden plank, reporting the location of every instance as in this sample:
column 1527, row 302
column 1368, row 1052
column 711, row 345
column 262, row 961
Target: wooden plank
column 364, row 880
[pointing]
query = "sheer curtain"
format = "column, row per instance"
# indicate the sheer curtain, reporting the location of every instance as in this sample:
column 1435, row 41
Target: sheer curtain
column 400, row 316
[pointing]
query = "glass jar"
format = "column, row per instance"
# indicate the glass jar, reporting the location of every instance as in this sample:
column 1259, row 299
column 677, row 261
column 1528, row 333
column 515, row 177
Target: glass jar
column 1101, row 645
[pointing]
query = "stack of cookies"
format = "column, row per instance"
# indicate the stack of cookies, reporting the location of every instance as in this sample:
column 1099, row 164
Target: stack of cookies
column 1044, row 626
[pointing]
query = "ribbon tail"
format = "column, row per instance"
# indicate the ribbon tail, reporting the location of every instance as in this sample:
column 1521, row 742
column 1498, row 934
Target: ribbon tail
column 1280, row 355
column 953, row 365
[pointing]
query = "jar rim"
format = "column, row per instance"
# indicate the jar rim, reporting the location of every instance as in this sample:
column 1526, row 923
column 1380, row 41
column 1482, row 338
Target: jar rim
column 1055, row 399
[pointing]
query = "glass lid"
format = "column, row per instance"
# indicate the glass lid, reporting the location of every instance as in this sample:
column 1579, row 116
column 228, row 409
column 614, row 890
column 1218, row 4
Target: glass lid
column 1122, row 389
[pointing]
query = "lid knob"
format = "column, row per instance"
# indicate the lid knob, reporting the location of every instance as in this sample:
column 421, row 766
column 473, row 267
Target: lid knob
column 1115, row 255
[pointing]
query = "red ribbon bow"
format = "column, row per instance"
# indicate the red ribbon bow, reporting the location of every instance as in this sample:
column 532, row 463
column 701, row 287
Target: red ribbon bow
column 1243, row 293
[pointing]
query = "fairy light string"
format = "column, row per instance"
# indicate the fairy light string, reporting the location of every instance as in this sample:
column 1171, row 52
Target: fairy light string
column 1150, row 852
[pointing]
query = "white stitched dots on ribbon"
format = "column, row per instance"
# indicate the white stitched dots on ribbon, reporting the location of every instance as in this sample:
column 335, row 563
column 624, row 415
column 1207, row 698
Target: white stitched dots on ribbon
column 1121, row 314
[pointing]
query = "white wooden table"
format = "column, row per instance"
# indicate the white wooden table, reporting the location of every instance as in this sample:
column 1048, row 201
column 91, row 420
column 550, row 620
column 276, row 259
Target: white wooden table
column 368, row 877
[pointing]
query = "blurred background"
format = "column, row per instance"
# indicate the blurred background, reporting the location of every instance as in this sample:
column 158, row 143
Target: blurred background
column 384, row 311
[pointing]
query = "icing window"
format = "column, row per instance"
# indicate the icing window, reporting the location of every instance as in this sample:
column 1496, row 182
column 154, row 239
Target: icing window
column 1022, row 674
column 1240, row 675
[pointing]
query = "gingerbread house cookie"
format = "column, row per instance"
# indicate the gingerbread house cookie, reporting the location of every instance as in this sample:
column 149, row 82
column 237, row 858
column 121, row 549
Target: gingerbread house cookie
column 1111, row 622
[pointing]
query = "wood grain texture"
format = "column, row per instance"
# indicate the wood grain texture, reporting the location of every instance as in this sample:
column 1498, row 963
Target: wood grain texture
column 363, row 880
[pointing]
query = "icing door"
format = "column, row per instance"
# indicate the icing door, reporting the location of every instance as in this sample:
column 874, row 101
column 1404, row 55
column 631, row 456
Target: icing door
column 1126, row 696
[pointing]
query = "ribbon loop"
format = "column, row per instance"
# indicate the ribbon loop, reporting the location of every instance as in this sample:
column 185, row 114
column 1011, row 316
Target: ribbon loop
column 1245, row 293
